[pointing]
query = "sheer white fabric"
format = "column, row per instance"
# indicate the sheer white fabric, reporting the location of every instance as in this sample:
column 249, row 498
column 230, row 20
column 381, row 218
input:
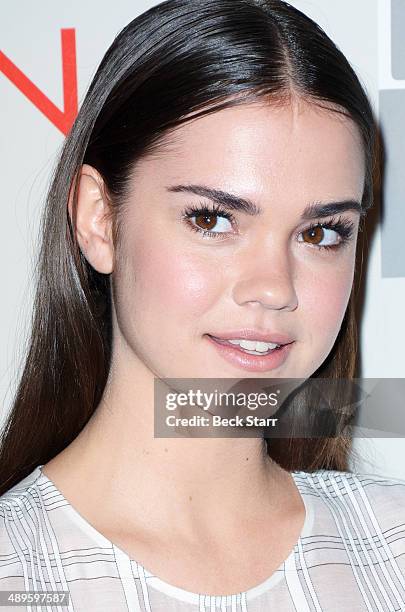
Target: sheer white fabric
column 350, row 555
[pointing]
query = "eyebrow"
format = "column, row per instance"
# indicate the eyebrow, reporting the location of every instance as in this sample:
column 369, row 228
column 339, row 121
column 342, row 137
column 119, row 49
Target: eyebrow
column 314, row 210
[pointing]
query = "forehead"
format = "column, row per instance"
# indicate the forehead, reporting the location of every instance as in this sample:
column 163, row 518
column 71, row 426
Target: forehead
column 259, row 148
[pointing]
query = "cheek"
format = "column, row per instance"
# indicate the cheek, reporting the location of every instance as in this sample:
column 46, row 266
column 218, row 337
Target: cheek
column 324, row 300
column 176, row 284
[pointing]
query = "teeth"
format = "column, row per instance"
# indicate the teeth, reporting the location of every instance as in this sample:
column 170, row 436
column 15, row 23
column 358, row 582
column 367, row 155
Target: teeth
column 253, row 345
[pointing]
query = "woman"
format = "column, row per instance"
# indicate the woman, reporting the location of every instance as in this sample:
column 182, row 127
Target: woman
column 211, row 189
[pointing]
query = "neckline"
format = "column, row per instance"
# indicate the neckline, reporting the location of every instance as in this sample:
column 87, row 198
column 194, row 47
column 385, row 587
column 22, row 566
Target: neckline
column 124, row 560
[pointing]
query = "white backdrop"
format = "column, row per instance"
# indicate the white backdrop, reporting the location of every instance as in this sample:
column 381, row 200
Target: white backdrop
column 367, row 31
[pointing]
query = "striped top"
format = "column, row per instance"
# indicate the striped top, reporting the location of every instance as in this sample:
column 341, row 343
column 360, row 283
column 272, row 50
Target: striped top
column 350, row 554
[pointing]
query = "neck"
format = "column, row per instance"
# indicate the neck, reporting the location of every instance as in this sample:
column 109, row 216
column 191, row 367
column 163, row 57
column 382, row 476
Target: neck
column 181, row 482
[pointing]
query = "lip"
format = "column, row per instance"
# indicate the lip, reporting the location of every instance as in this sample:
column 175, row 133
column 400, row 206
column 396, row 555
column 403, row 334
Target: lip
column 252, row 363
column 253, row 334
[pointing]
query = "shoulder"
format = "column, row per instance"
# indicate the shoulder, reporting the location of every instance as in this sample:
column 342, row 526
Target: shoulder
column 358, row 498
column 355, row 535
column 21, row 489
column 333, row 484
column 20, row 524
column 344, row 482
column 18, row 505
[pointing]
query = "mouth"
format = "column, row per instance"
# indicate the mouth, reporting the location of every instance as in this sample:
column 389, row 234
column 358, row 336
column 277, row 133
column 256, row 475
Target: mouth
column 251, row 360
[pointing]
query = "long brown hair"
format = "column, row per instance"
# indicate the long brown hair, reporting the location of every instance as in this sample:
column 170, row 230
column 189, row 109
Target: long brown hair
column 180, row 58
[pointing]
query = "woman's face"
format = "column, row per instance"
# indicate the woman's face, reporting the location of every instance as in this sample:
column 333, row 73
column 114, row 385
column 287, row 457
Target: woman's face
column 175, row 287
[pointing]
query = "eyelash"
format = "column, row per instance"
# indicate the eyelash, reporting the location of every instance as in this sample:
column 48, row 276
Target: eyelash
column 343, row 227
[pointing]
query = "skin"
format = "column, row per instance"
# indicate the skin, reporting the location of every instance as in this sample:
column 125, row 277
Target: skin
column 216, row 496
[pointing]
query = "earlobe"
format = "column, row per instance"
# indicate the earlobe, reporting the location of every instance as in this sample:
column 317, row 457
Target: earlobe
column 93, row 220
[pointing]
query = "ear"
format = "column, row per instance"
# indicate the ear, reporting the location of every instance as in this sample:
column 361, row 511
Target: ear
column 93, row 222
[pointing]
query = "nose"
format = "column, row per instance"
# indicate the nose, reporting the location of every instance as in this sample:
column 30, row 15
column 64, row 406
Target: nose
column 267, row 281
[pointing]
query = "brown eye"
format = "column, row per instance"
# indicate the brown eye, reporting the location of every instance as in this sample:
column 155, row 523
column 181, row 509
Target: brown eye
column 208, row 221
column 314, row 234
column 205, row 222
column 321, row 236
